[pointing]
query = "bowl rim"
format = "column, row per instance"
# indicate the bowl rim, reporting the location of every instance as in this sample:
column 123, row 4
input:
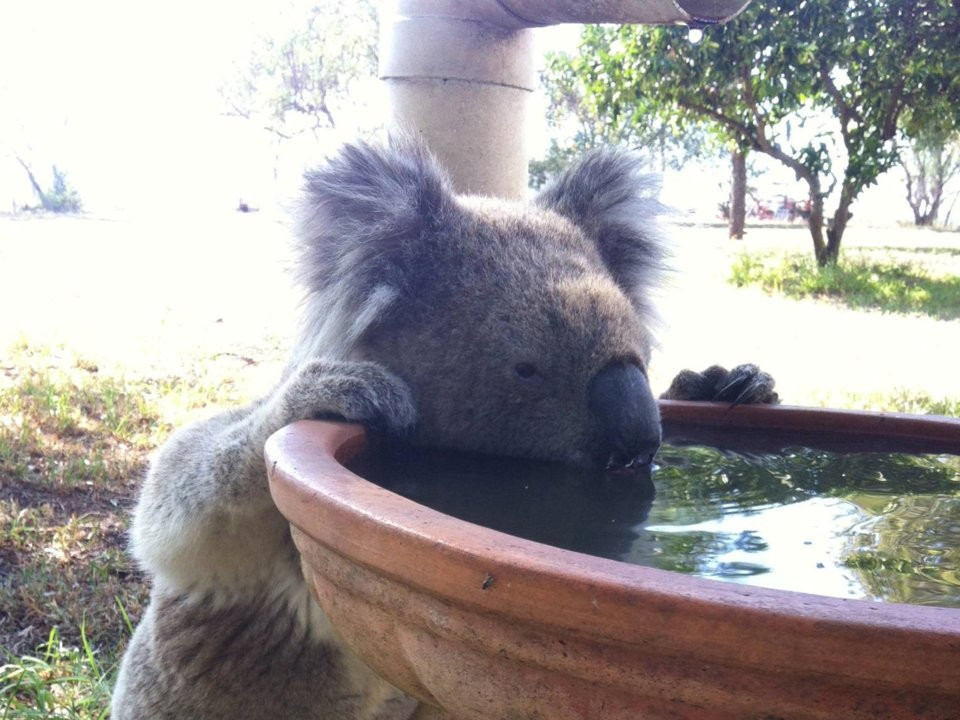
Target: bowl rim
column 495, row 573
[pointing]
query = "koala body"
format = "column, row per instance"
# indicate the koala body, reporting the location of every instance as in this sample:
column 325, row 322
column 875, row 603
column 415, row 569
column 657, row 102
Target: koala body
column 479, row 324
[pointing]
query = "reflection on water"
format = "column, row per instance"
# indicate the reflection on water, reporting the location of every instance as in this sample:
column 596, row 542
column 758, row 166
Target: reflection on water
column 868, row 525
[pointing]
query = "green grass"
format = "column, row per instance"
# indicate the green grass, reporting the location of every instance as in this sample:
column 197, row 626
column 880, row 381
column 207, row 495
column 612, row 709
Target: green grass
column 58, row 681
column 74, row 441
column 897, row 400
column 858, row 280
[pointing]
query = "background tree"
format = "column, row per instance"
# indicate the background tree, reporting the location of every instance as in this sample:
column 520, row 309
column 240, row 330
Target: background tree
column 302, row 83
column 930, row 150
column 60, row 197
column 738, row 188
column 862, row 61
column 578, row 125
column 929, row 163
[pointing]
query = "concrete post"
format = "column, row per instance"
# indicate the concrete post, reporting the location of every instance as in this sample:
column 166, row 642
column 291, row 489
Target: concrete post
column 460, row 73
column 464, row 84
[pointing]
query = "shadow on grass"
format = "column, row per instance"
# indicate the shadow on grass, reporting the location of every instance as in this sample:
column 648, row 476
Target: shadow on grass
column 858, row 283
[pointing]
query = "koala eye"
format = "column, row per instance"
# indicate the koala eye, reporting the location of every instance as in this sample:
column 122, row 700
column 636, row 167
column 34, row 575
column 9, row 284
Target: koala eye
column 525, row 370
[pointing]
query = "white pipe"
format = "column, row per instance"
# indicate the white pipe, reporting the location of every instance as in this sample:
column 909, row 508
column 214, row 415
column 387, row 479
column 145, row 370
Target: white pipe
column 461, row 73
column 464, row 85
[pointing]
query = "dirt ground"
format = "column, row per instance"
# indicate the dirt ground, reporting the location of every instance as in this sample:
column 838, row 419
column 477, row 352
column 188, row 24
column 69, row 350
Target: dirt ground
column 156, row 291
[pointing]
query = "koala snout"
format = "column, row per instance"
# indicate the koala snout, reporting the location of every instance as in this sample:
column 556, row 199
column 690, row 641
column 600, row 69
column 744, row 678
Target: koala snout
column 626, row 412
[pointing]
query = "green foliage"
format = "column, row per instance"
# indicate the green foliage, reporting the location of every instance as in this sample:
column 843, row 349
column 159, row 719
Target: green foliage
column 864, row 62
column 557, row 159
column 580, row 124
column 61, row 197
column 855, row 282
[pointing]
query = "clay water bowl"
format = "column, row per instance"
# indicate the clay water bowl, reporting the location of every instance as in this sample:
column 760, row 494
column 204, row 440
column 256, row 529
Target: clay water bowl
column 487, row 625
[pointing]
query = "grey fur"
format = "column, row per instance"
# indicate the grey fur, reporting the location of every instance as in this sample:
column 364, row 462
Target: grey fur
column 360, row 214
column 617, row 204
column 231, row 630
column 425, row 313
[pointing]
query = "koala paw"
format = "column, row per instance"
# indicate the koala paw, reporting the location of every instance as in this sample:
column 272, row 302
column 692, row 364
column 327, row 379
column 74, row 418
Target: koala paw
column 743, row 384
column 361, row 392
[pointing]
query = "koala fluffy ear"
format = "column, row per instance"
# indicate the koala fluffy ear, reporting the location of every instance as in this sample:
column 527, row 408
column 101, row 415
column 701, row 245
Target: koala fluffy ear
column 608, row 196
column 362, row 210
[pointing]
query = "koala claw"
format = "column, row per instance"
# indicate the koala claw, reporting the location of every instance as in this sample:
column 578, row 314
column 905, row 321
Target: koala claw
column 745, row 384
column 361, row 392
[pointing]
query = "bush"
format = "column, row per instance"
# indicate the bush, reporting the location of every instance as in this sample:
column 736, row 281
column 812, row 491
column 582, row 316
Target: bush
column 61, row 198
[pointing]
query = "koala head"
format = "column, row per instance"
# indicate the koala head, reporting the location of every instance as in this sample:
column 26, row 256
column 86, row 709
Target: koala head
column 522, row 329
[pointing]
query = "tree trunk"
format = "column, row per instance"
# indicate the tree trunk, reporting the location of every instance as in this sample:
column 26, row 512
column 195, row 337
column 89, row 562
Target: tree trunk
column 946, row 220
column 935, row 200
column 837, row 225
column 815, row 222
column 925, row 186
column 815, row 218
column 33, row 182
column 738, row 194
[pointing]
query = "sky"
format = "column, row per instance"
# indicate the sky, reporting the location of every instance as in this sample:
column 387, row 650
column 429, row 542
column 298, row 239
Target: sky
column 122, row 95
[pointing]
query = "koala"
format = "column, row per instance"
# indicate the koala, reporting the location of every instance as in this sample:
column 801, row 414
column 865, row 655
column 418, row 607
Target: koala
column 434, row 319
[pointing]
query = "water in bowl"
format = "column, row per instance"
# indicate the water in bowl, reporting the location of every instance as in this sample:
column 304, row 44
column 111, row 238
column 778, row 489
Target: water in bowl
column 883, row 526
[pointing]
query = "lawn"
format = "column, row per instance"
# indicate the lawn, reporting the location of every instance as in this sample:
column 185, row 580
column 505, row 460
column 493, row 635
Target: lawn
column 118, row 331
column 862, row 279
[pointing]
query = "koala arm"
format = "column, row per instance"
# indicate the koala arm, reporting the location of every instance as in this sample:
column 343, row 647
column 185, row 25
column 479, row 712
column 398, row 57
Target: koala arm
column 205, row 519
column 744, row 384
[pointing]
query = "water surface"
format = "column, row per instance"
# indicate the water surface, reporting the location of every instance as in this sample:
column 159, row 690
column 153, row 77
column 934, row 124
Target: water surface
column 883, row 526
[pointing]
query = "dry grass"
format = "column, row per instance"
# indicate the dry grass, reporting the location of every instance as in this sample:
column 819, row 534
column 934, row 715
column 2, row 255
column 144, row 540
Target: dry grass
column 74, row 443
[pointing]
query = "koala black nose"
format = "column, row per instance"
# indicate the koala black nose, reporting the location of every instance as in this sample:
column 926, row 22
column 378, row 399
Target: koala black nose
column 620, row 399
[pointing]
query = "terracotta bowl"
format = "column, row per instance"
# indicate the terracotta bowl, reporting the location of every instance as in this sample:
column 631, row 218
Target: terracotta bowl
column 487, row 625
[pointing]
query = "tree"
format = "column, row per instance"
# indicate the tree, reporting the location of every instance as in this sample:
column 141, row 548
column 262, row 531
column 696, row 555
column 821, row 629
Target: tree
column 669, row 135
column 862, row 61
column 579, row 125
column 929, row 162
column 60, row 197
column 930, row 156
column 301, row 83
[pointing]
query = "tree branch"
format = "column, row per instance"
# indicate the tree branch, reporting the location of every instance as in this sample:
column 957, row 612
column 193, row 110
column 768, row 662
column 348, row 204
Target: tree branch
column 846, row 112
column 756, row 143
column 735, row 125
column 892, row 113
column 235, row 111
column 754, row 108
